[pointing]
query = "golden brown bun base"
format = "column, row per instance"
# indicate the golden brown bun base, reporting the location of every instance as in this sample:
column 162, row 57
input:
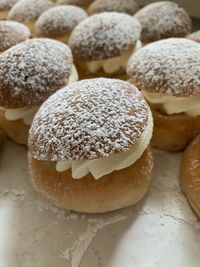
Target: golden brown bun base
column 190, row 174
column 173, row 133
column 16, row 130
column 116, row 190
column 84, row 73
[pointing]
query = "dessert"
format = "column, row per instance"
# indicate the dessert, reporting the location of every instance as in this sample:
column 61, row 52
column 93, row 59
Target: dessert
column 80, row 3
column 195, row 36
column 27, row 12
column 29, row 73
column 190, row 174
column 128, row 6
column 89, row 146
column 58, row 22
column 12, row 33
column 103, row 43
column 5, row 6
column 168, row 74
column 162, row 20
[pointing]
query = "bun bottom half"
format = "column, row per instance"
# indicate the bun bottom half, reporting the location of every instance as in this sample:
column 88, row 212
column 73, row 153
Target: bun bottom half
column 113, row 191
column 84, row 73
column 174, row 132
column 16, row 130
column 190, row 174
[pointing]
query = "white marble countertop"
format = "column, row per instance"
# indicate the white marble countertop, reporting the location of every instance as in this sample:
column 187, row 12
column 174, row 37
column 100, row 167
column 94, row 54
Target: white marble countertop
column 160, row 231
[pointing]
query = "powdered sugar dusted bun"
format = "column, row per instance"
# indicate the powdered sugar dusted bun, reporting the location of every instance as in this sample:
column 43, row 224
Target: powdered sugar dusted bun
column 104, row 35
column 195, row 36
column 163, row 20
column 81, row 3
column 32, row 71
column 87, row 120
column 170, row 67
column 58, row 22
column 128, row 6
column 28, row 11
column 12, row 33
column 5, row 6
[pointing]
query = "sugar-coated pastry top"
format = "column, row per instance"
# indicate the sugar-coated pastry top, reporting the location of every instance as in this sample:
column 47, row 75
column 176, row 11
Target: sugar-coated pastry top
column 81, row 3
column 88, row 119
column 163, row 20
column 104, row 35
column 128, row 6
column 7, row 4
column 59, row 21
column 170, row 67
column 12, row 33
column 33, row 70
column 25, row 11
column 195, row 36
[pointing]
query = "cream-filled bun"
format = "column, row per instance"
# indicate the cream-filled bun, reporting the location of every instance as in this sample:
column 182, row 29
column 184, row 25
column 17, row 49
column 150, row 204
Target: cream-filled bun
column 128, row 6
column 80, row 3
column 12, row 33
column 103, row 43
column 58, row 22
column 195, row 36
column 29, row 73
column 168, row 74
column 5, row 6
column 27, row 12
column 89, row 146
column 163, row 20
column 190, row 174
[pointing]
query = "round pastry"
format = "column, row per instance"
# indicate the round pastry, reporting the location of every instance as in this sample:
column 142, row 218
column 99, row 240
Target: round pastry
column 163, row 20
column 89, row 146
column 58, row 22
column 80, row 3
column 27, row 12
column 103, row 43
column 128, row 6
column 5, row 6
column 12, row 33
column 29, row 73
column 195, row 36
column 168, row 74
column 190, row 174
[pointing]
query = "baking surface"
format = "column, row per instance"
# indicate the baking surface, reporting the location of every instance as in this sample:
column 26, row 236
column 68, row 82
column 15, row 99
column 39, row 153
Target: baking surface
column 161, row 230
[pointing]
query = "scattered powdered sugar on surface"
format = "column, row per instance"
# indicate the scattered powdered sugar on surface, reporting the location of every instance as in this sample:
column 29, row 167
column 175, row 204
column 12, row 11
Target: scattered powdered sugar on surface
column 195, row 36
column 29, row 10
column 89, row 119
column 163, row 20
column 12, row 33
column 103, row 36
column 128, row 6
column 7, row 4
column 82, row 3
column 169, row 66
column 32, row 71
column 59, row 20
column 75, row 253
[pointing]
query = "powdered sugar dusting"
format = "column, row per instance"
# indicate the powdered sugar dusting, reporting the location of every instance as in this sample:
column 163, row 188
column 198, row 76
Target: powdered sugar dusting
column 163, row 20
column 32, row 71
column 168, row 66
column 25, row 11
column 7, row 4
column 12, row 33
column 104, row 35
column 195, row 36
column 59, row 21
column 81, row 3
column 89, row 119
column 128, row 6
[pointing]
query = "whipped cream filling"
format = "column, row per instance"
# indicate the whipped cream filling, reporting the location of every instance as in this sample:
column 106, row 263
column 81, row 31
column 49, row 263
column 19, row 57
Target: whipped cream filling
column 102, row 166
column 114, row 64
column 174, row 105
column 27, row 113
